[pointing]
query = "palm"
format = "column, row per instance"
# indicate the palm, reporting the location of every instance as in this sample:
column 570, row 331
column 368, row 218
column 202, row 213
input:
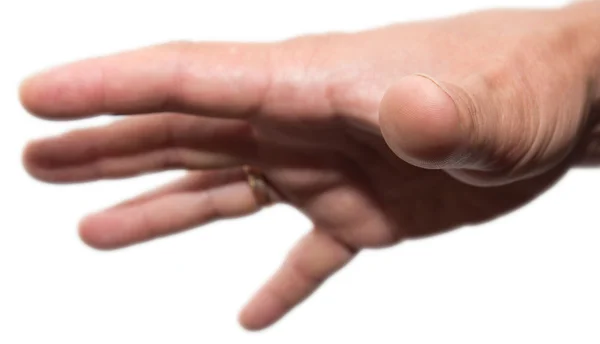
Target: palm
column 361, row 193
column 303, row 111
column 366, row 196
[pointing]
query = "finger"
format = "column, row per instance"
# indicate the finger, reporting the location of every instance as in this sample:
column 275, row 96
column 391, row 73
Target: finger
column 131, row 166
column 140, row 145
column 167, row 214
column 193, row 182
column 218, row 78
column 137, row 135
column 481, row 134
column 315, row 258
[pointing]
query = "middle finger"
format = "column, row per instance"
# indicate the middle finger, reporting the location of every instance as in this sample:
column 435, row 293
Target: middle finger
column 143, row 144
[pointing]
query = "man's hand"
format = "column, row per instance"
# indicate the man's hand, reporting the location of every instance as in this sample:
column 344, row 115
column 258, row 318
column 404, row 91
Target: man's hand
column 377, row 136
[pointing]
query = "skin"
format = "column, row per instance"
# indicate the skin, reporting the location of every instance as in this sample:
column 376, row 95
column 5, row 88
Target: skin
column 377, row 136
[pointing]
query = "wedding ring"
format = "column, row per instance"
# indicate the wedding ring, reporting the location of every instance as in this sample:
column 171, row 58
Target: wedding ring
column 258, row 184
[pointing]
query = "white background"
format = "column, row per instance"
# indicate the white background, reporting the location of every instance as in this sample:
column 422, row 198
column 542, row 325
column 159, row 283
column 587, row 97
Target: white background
column 530, row 277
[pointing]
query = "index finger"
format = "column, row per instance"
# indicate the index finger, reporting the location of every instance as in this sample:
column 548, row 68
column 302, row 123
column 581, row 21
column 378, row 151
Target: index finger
column 224, row 79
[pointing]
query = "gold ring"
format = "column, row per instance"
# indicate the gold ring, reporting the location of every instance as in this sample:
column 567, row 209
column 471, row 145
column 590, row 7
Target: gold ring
column 258, row 184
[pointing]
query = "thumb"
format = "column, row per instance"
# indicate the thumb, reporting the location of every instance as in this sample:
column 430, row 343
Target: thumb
column 438, row 125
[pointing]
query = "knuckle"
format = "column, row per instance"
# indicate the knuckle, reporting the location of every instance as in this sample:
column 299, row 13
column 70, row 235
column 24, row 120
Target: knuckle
column 171, row 159
column 304, row 272
column 304, row 66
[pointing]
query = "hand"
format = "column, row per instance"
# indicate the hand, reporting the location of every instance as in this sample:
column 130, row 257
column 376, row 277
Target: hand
column 341, row 126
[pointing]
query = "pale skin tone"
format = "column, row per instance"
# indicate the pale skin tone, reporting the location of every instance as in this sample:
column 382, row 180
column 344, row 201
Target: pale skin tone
column 378, row 137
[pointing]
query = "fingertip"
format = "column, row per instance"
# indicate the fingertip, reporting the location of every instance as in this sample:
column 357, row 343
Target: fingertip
column 63, row 92
column 420, row 122
column 94, row 231
column 41, row 160
column 23, row 92
column 32, row 93
column 86, row 231
column 28, row 157
column 261, row 312
column 36, row 163
column 247, row 322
